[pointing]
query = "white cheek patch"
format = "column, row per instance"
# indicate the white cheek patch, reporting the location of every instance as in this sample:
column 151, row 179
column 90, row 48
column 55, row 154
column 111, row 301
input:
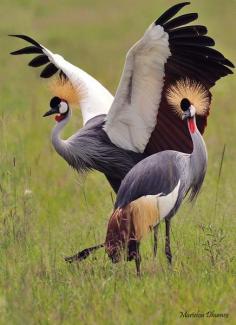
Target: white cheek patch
column 63, row 108
column 192, row 110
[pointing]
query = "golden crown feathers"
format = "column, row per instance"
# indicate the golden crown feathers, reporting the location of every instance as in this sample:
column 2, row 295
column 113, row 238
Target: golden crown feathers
column 63, row 88
column 194, row 91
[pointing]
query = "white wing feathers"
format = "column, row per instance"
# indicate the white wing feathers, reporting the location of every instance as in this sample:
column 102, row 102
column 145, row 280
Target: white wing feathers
column 95, row 99
column 132, row 116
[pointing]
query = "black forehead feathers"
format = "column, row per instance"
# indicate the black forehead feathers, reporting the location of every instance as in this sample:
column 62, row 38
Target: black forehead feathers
column 55, row 101
column 185, row 104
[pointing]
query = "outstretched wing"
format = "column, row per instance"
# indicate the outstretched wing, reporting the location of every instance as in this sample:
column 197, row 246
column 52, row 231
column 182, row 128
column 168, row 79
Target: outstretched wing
column 140, row 117
column 95, row 98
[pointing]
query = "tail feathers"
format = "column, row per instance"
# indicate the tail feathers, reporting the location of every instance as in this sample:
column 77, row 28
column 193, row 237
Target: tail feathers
column 119, row 231
column 128, row 225
column 145, row 215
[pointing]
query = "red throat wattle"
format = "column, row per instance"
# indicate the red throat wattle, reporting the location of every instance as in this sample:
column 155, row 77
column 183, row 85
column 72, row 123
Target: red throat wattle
column 59, row 117
column 191, row 125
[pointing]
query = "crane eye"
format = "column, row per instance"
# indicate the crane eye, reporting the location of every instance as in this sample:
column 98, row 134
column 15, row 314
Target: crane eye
column 55, row 101
column 185, row 104
column 63, row 108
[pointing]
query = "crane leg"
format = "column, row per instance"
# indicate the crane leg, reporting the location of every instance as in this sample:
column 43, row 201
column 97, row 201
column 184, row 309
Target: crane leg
column 138, row 259
column 155, row 230
column 167, row 244
column 133, row 253
column 83, row 254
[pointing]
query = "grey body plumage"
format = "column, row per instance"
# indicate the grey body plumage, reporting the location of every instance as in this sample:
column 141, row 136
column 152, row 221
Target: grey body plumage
column 90, row 148
column 162, row 181
column 165, row 178
column 160, row 173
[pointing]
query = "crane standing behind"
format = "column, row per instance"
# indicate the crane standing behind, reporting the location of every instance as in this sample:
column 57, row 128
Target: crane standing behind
column 139, row 121
column 119, row 132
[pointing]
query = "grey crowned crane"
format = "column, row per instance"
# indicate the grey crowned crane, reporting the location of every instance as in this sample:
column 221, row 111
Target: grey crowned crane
column 138, row 122
column 154, row 189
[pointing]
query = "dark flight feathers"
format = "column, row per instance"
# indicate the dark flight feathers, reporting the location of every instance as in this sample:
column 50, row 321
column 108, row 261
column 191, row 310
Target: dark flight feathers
column 49, row 71
column 39, row 60
column 193, row 57
column 190, row 43
column 171, row 12
column 27, row 50
column 27, row 39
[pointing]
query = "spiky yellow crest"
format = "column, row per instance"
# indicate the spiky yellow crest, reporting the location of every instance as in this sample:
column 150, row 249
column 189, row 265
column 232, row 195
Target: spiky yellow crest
column 195, row 92
column 63, row 88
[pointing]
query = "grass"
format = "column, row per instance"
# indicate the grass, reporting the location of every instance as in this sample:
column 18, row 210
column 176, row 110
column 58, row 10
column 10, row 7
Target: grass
column 47, row 211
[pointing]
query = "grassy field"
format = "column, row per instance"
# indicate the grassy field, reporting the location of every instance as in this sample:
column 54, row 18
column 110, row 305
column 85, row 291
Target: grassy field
column 47, row 211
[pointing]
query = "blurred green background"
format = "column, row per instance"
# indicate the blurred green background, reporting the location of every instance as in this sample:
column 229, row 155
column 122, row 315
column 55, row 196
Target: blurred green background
column 47, row 211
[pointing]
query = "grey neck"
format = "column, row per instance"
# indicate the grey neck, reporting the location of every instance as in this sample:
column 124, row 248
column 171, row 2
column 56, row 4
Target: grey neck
column 198, row 158
column 59, row 144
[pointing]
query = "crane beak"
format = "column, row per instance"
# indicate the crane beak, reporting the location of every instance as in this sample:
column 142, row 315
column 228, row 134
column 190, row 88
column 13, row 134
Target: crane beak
column 51, row 112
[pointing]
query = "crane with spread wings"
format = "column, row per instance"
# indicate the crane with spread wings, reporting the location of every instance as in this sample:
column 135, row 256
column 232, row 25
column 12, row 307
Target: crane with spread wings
column 138, row 122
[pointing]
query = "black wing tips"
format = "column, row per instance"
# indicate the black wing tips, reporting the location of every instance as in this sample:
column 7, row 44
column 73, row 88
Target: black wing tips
column 170, row 13
column 166, row 21
column 228, row 63
column 35, row 48
column 190, row 46
column 188, row 31
column 180, row 21
column 27, row 50
column 39, row 60
column 49, row 71
column 195, row 41
column 27, row 39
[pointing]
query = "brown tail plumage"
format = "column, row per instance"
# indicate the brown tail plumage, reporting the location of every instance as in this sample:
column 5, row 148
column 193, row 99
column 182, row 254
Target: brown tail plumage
column 120, row 235
column 128, row 225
